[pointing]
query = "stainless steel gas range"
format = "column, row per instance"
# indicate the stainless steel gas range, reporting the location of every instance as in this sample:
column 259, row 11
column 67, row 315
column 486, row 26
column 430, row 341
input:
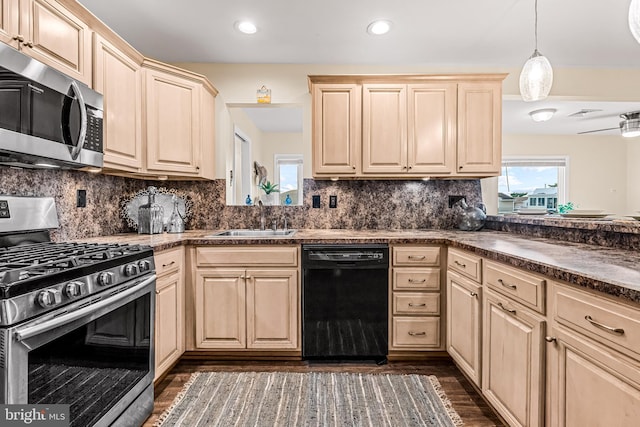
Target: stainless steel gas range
column 76, row 323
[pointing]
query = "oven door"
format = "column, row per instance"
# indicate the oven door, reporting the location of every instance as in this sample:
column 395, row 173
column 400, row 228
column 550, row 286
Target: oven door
column 96, row 356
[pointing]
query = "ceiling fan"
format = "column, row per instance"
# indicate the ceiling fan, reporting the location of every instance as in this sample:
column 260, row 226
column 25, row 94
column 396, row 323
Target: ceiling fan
column 629, row 126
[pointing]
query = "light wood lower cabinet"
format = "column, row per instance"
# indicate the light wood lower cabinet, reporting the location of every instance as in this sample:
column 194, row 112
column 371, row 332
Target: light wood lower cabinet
column 513, row 360
column 415, row 299
column 254, row 306
column 464, row 324
column 594, row 367
column 170, row 323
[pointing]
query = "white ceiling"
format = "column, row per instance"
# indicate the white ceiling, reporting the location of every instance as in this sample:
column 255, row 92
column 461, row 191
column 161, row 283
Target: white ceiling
column 436, row 33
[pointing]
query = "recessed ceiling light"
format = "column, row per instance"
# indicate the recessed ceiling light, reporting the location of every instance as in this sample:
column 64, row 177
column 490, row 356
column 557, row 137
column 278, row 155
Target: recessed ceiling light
column 246, row 27
column 542, row 115
column 378, row 28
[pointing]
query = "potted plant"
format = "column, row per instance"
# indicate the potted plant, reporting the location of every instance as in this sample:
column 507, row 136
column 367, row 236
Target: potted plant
column 270, row 190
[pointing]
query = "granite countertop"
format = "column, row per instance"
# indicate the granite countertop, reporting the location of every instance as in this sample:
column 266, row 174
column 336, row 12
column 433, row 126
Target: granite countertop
column 612, row 271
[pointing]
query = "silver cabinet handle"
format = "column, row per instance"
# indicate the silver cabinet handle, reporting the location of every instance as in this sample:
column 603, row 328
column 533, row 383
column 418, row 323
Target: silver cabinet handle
column 550, row 339
column 473, row 294
column 417, row 305
column 168, row 265
column 507, row 285
column 245, row 277
column 417, row 281
column 506, row 309
column 610, row 329
column 458, row 263
column 416, row 256
column 414, row 334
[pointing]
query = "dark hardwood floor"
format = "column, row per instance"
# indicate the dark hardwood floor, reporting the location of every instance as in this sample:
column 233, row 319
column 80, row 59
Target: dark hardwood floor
column 473, row 410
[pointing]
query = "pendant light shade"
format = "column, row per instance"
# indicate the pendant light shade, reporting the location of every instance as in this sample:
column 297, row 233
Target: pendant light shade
column 634, row 19
column 536, row 77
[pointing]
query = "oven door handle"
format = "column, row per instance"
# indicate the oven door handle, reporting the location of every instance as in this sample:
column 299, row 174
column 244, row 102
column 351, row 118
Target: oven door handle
column 31, row 331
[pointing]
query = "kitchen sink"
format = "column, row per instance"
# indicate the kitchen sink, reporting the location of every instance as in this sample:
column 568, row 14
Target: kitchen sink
column 254, row 233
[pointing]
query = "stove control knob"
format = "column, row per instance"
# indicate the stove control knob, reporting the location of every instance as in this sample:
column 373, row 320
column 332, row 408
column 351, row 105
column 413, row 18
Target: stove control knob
column 49, row 298
column 144, row 265
column 130, row 270
column 105, row 278
column 75, row 289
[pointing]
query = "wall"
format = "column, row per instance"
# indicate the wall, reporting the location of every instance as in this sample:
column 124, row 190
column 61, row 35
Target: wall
column 597, row 171
column 361, row 204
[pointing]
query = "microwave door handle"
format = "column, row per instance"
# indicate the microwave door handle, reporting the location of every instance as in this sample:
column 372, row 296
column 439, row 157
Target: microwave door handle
column 83, row 120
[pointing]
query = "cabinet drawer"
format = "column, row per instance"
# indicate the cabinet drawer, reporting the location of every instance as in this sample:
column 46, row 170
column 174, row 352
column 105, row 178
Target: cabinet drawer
column 416, row 303
column 416, row 279
column 416, row 255
column 523, row 287
column 267, row 256
column 416, row 332
column 465, row 263
column 168, row 261
column 617, row 325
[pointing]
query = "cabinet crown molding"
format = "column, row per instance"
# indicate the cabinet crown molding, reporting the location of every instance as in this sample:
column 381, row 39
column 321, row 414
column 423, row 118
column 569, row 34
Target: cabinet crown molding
column 404, row 78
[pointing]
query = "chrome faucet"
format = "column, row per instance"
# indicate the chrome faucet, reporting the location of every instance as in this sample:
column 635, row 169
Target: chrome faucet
column 274, row 225
column 263, row 220
column 284, row 221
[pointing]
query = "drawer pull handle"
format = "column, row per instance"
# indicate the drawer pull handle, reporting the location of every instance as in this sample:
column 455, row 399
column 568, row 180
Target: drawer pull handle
column 416, row 257
column 550, row 339
column 415, row 334
column 616, row 331
column 507, row 285
column 474, row 294
column 508, row 310
column 417, row 281
column 245, row 277
column 168, row 265
column 459, row 264
column 417, row 305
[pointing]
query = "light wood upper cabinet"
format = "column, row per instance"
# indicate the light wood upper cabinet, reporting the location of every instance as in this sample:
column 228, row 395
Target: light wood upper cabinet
column 51, row 34
column 384, row 128
column 336, row 129
column 118, row 76
column 431, row 128
column 412, row 126
column 9, row 21
column 178, row 122
column 479, row 128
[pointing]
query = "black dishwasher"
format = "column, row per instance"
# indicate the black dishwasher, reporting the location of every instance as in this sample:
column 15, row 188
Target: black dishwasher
column 345, row 302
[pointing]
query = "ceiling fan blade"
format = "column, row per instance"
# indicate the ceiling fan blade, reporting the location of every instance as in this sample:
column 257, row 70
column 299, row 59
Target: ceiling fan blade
column 598, row 130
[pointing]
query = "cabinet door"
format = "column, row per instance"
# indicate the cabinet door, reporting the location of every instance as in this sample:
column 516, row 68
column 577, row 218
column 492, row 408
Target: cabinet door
column 479, row 128
column 220, row 309
column 513, row 360
column 464, row 329
column 590, row 385
column 172, row 123
column 272, row 309
column 336, row 129
column 55, row 36
column 431, row 128
column 384, row 129
column 9, row 21
column 118, row 77
column 169, row 331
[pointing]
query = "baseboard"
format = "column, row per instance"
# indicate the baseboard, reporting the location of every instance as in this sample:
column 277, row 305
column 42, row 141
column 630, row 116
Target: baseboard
column 242, row 355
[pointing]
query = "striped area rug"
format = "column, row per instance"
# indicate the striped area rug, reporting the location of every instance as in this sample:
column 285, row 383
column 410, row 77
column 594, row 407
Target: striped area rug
column 263, row 399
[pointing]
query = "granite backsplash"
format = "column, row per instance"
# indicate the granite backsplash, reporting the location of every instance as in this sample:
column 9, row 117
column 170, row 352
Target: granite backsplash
column 361, row 204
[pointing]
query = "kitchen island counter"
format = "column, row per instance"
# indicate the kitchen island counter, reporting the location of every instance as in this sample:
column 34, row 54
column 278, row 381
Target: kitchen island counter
column 615, row 272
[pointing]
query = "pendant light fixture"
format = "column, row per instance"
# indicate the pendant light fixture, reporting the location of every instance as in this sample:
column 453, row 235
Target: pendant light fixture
column 536, row 77
column 634, row 19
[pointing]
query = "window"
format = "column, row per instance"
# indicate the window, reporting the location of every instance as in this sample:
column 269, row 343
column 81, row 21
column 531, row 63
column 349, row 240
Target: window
column 289, row 178
column 532, row 182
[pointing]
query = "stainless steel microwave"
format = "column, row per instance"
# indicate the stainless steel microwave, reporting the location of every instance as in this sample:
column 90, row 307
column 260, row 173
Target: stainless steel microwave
column 47, row 119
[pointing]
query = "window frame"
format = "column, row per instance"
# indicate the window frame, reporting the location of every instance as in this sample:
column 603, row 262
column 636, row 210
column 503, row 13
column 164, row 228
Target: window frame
column 289, row 159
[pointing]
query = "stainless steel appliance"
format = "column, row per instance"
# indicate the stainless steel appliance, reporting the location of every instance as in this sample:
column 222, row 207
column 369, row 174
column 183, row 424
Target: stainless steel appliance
column 47, row 119
column 345, row 302
column 76, row 322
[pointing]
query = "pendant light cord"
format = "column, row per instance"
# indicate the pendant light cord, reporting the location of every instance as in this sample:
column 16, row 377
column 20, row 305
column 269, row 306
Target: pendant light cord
column 536, row 25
